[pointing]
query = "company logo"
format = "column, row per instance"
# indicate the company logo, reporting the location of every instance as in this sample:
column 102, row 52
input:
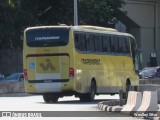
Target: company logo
column 6, row 114
column 47, row 66
column 47, row 38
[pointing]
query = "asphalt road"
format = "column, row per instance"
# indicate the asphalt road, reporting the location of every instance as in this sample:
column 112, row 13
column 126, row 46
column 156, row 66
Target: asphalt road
column 67, row 108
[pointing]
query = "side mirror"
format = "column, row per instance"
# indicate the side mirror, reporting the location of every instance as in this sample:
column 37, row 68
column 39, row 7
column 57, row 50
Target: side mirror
column 139, row 53
column 138, row 60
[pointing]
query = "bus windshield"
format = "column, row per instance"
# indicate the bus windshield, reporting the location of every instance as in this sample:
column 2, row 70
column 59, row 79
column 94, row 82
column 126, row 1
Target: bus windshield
column 47, row 37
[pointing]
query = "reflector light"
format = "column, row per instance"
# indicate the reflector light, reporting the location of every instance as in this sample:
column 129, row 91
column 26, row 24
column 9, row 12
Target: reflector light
column 25, row 74
column 71, row 72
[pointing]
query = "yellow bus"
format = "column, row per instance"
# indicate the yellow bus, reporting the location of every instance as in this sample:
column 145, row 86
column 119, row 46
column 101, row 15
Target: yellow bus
column 78, row 60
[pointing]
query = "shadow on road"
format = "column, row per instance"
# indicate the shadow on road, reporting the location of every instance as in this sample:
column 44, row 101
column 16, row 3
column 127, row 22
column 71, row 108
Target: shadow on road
column 78, row 102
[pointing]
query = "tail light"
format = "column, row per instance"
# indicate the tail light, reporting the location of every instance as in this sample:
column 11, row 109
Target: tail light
column 25, row 74
column 71, row 72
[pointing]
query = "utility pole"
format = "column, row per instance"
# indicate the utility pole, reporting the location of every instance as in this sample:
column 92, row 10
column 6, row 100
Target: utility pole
column 75, row 13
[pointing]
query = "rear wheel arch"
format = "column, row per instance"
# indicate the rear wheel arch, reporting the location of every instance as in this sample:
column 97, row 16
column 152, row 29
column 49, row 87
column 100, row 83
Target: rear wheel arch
column 128, row 82
column 94, row 81
column 127, row 88
column 89, row 96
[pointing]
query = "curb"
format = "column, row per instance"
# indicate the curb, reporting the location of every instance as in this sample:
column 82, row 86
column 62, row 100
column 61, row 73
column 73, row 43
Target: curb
column 114, row 106
column 111, row 106
column 21, row 94
column 117, row 109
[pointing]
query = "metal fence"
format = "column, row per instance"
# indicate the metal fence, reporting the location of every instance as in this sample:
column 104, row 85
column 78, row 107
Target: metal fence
column 11, row 61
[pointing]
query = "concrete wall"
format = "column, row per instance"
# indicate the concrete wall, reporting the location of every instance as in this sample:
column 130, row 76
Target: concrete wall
column 11, row 87
column 143, row 13
column 147, row 44
column 158, row 42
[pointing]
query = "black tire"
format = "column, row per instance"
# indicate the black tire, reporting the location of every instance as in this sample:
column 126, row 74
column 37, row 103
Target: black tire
column 128, row 84
column 48, row 98
column 89, row 97
column 83, row 97
column 92, row 91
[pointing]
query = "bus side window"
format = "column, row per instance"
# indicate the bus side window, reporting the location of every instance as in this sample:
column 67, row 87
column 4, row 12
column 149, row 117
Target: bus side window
column 76, row 40
column 133, row 45
column 127, row 45
column 113, row 44
column 80, row 42
column 109, row 43
column 105, row 44
column 122, row 45
column 98, row 43
column 90, row 42
column 116, row 43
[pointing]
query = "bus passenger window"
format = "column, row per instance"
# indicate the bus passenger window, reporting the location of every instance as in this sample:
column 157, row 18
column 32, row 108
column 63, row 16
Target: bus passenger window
column 105, row 43
column 113, row 44
column 80, row 42
column 109, row 43
column 121, row 44
column 127, row 45
column 90, row 43
column 116, row 43
column 98, row 43
column 133, row 46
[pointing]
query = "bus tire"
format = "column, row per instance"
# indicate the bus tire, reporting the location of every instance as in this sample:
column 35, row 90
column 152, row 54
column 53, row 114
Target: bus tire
column 92, row 91
column 89, row 97
column 128, row 84
column 83, row 97
column 48, row 98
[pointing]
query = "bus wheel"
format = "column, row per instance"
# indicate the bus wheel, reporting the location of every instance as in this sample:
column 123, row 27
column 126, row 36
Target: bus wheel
column 83, row 97
column 92, row 91
column 128, row 84
column 89, row 96
column 48, row 98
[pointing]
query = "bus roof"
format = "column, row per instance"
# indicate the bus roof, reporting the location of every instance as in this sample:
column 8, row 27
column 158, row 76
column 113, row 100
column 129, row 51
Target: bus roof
column 83, row 27
column 96, row 28
column 79, row 27
column 100, row 29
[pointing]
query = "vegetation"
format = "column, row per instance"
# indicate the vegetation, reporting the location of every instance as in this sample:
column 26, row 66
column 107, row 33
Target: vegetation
column 16, row 15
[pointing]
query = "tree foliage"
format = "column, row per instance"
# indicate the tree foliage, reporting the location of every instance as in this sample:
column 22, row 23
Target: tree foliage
column 16, row 15
column 99, row 12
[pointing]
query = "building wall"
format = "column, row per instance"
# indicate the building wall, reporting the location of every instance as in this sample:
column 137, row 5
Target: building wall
column 143, row 13
column 158, row 39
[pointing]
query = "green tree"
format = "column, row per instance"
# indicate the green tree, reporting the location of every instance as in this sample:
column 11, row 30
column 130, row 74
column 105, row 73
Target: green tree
column 16, row 15
column 6, row 24
column 99, row 12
